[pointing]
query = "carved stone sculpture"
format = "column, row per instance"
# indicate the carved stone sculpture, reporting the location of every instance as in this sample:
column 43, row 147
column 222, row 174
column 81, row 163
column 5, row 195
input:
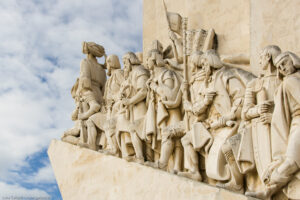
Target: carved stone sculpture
column 107, row 121
column 196, row 110
column 152, row 128
column 257, row 113
column 91, row 85
column 284, row 169
column 134, row 106
column 168, row 115
column 222, row 119
column 214, row 123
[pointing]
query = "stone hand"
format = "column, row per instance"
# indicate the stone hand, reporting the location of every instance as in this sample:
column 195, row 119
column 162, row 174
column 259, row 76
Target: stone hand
column 125, row 102
column 74, row 115
column 184, row 86
column 265, row 107
column 265, row 118
column 202, row 73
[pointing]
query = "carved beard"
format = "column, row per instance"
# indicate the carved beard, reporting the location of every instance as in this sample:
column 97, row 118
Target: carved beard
column 208, row 74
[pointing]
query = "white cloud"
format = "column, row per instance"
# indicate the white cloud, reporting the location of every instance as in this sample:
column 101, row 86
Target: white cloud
column 40, row 52
column 15, row 191
column 44, row 175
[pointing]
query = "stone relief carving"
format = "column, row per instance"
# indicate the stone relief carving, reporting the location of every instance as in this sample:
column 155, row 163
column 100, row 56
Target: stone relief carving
column 187, row 111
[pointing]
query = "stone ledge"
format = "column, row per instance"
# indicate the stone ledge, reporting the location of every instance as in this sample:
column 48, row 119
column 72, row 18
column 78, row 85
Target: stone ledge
column 85, row 174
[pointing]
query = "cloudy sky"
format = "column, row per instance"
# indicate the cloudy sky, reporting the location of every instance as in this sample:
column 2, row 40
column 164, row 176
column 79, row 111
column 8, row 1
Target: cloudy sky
column 40, row 52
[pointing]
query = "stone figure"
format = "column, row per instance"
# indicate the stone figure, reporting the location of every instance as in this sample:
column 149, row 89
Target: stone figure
column 169, row 115
column 152, row 128
column 222, row 120
column 163, row 109
column 196, row 109
column 257, row 113
column 107, row 121
column 227, row 127
column 133, row 99
column 78, row 133
column 283, row 172
column 91, row 87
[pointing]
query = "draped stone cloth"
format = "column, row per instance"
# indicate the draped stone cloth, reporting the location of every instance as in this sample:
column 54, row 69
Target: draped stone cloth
column 158, row 114
column 285, row 127
column 229, row 85
column 92, row 77
column 136, row 113
column 254, row 148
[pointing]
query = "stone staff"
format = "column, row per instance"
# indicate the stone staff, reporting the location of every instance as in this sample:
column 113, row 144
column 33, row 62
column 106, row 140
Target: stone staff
column 185, row 70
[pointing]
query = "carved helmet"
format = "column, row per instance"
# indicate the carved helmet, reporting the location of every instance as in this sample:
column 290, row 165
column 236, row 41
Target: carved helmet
column 295, row 59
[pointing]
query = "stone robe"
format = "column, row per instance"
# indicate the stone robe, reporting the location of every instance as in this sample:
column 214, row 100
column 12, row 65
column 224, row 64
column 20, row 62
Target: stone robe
column 229, row 84
column 285, row 127
column 92, row 77
column 106, row 121
column 255, row 146
column 132, row 116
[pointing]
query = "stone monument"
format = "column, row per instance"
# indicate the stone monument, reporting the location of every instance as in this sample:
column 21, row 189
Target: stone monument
column 208, row 110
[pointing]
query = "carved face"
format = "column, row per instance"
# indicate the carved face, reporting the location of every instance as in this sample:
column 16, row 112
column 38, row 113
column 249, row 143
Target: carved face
column 126, row 62
column 206, row 67
column 285, row 66
column 109, row 66
column 84, row 48
column 264, row 60
column 127, row 67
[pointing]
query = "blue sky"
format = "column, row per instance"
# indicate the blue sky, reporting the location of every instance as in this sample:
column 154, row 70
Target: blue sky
column 40, row 52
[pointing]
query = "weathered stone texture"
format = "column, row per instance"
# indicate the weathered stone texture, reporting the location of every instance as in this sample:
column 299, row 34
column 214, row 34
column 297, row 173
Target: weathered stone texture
column 85, row 174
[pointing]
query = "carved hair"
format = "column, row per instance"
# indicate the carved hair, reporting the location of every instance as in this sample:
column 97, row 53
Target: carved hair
column 273, row 50
column 295, row 59
column 213, row 59
column 133, row 59
column 115, row 63
column 93, row 48
column 196, row 58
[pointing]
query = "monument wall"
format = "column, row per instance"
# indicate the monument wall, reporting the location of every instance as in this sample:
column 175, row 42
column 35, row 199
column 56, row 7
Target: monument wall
column 274, row 22
column 242, row 26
